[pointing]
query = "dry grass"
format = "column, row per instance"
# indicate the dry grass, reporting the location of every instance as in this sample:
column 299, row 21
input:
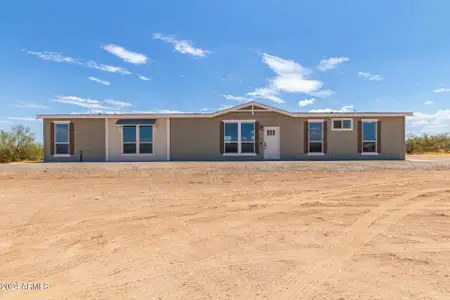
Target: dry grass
column 226, row 231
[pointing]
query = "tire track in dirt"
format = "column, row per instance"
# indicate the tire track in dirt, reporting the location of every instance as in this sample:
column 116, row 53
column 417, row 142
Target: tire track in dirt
column 354, row 237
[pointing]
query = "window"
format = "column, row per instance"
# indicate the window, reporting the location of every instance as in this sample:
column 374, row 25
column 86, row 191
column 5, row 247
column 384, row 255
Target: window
column 239, row 137
column 62, row 138
column 369, row 136
column 137, row 139
column 271, row 132
column 315, row 137
column 342, row 124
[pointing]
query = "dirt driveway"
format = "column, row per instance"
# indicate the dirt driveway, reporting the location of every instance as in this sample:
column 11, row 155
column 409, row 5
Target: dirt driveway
column 362, row 230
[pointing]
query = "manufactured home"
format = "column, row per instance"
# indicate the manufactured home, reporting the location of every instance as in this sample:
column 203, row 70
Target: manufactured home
column 250, row 131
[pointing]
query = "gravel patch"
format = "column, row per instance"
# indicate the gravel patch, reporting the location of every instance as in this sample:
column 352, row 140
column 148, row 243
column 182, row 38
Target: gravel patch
column 289, row 166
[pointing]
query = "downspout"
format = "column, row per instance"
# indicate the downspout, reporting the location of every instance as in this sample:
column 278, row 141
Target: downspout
column 106, row 139
column 168, row 139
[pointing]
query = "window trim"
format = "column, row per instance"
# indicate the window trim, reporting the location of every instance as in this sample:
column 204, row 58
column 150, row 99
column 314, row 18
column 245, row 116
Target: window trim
column 138, row 141
column 342, row 120
column 239, row 141
column 309, row 141
column 376, row 136
column 65, row 143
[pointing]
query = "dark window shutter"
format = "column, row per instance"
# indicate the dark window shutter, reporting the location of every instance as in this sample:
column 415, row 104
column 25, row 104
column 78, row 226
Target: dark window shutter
column 222, row 136
column 325, row 136
column 359, row 136
column 305, row 137
column 52, row 138
column 72, row 138
column 256, row 137
column 379, row 136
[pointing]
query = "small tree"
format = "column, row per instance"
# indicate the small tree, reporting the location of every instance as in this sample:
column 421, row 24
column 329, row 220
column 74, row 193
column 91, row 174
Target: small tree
column 19, row 144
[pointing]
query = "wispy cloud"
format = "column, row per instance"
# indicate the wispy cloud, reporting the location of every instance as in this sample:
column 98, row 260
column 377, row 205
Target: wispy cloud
column 182, row 46
column 225, row 106
column 83, row 102
column 158, row 111
column 94, row 79
column 369, row 76
column 268, row 94
column 126, row 55
column 331, row 63
column 290, row 77
column 237, row 98
column 59, row 57
column 322, row 93
column 93, row 104
column 428, row 102
column 347, row 108
column 142, row 77
column 438, row 122
column 306, row 102
column 5, row 122
column 118, row 103
column 23, row 104
column 22, row 119
column 441, row 90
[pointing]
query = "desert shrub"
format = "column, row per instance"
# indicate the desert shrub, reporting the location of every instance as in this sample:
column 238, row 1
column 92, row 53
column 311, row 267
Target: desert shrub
column 427, row 143
column 19, row 144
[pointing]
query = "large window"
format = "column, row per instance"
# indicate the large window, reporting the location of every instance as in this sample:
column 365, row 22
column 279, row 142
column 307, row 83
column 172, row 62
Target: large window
column 342, row 125
column 315, row 137
column 239, row 137
column 137, row 139
column 62, row 139
column 369, row 135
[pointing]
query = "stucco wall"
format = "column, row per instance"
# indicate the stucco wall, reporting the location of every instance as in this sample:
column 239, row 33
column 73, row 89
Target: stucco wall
column 199, row 139
column 89, row 137
column 159, row 143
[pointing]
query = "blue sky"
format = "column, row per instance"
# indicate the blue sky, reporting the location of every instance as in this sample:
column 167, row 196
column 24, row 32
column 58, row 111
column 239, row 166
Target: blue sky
column 200, row 55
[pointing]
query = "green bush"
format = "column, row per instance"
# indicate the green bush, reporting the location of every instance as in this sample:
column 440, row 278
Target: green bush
column 426, row 143
column 19, row 144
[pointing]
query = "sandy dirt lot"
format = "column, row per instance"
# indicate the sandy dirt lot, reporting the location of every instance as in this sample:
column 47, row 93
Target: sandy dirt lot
column 328, row 230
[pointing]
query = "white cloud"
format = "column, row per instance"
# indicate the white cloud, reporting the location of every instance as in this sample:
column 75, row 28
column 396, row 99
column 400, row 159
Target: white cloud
column 331, row 63
column 5, row 122
column 92, row 103
column 83, row 102
column 347, row 108
column 142, row 77
column 369, row 76
column 94, row 79
column 107, row 68
column 267, row 93
column 441, row 90
column 290, row 77
column 428, row 102
column 126, row 55
column 237, row 98
column 306, row 102
column 23, row 104
column 204, row 109
column 159, row 111
column 118, row 103
column 182, row 46
column 224, row 106
column 430, row 123
column 58, row 57
column 22, row 119
column 322, row 93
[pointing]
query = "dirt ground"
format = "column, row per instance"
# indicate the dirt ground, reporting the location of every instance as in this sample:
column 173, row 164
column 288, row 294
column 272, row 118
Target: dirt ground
column 256, row 230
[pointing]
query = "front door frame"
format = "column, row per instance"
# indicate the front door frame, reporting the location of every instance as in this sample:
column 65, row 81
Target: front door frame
column 277, row 129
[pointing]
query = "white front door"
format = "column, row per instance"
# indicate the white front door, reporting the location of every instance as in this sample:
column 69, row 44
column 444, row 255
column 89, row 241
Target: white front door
column 271, row 143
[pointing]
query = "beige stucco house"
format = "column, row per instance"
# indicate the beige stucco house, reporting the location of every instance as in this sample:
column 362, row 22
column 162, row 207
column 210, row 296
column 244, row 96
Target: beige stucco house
column 250, row 131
